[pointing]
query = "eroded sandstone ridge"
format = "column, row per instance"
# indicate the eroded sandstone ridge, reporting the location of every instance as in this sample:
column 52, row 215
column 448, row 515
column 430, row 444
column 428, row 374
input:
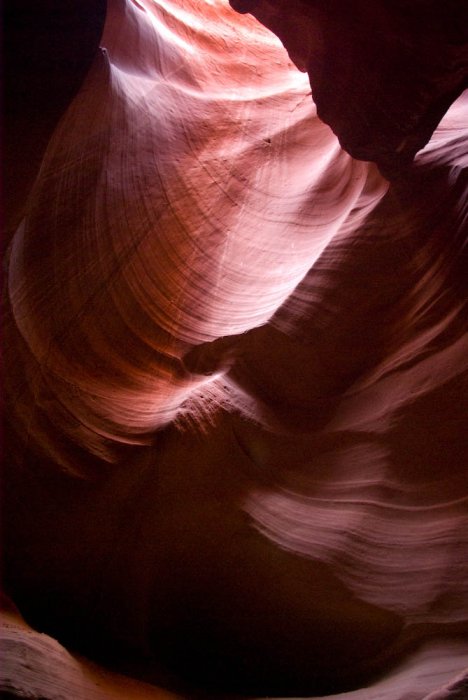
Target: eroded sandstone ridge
column 236, row 356
column 382, row 73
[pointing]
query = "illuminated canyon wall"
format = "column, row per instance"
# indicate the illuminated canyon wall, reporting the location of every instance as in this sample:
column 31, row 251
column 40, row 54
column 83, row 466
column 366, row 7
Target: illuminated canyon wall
column 236, row 356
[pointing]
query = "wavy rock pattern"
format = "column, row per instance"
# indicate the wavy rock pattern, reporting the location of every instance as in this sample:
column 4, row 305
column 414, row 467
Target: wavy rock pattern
column 382, row 74
column 229, row 180
column 36, row 666
column 199, row 254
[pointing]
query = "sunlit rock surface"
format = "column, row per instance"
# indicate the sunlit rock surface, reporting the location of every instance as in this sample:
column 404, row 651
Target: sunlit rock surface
column 382, row 73
column 237, row 378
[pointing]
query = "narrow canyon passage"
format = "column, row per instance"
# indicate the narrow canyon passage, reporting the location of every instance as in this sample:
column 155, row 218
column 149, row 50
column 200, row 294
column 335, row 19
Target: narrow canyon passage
column 237, row 357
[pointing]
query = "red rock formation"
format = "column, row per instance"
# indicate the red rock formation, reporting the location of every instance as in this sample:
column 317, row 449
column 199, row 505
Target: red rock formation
column 36, row 666
column 255, row 350
column 382, row 73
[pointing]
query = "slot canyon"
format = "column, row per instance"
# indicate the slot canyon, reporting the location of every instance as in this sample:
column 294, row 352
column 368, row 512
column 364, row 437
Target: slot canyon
column 235, row 331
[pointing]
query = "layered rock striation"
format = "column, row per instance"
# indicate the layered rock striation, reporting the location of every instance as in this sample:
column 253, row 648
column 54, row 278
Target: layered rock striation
column 236, row 356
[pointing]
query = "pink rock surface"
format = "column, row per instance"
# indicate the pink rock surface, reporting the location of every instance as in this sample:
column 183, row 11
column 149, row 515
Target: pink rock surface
column 237, row 379
column 382, row 73
column 37, row 666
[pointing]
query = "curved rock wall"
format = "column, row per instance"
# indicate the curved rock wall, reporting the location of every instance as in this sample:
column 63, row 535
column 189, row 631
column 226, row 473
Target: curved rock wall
column 382, row 73
column 256, row 347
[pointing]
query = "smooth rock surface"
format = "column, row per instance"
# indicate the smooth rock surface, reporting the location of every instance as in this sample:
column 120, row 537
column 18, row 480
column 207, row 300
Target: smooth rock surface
column 382, row 73
column 236, row 377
